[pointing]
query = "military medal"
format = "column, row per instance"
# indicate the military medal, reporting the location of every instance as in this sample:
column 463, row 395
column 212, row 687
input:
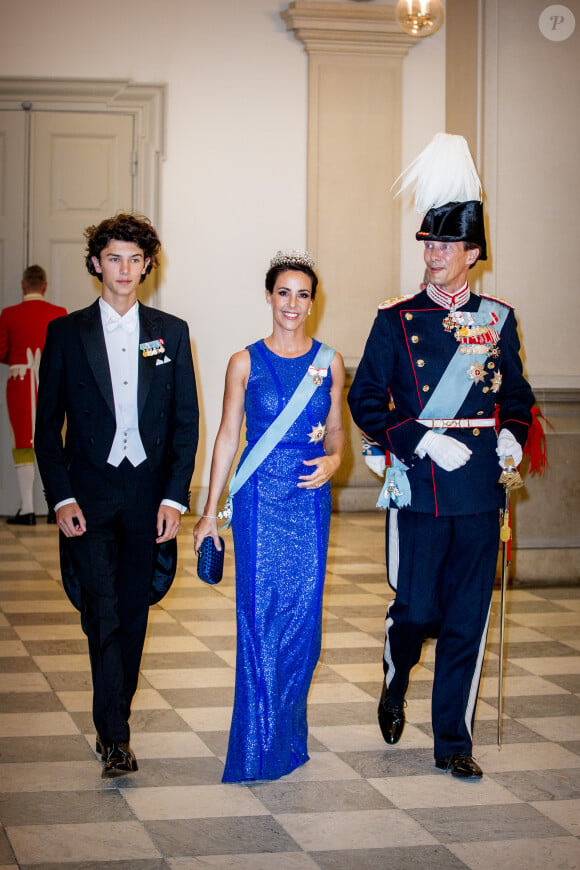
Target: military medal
column 152, row 348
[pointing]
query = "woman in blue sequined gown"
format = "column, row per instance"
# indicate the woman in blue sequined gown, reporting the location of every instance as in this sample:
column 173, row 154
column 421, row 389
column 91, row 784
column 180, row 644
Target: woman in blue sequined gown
column 281, row 518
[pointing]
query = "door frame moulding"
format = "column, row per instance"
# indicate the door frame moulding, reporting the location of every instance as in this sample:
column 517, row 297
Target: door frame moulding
column 146, row 102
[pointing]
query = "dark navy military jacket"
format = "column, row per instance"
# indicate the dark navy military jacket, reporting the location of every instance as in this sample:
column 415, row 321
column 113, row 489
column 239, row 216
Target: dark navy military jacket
column 406, row 354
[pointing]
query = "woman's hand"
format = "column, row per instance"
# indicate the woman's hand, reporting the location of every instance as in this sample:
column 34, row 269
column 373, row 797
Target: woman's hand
column 325, row 468
column 205, row 527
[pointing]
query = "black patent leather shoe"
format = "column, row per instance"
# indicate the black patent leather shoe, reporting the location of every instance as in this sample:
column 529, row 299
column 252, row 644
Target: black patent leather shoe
column 463, row 766
column 101, row 747
column 20, row 519
column 120, row 760
column 391, row 717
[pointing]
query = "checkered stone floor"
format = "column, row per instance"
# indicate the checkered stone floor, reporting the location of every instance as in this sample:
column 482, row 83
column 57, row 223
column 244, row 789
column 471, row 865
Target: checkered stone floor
column 357, row 804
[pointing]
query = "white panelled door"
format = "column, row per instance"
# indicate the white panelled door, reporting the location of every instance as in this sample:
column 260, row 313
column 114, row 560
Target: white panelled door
column 61, row 171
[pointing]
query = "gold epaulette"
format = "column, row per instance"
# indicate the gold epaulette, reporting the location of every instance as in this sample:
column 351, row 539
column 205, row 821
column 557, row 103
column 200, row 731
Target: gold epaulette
column 388, row 303
column 496, row 299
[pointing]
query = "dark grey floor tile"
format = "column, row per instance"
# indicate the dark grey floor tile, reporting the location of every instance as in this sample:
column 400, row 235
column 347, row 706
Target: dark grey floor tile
column 134, row 864
column 320, row 797
column 217, row 741
column 72, row 747
column 29, row 702
column 483, row 823
column 351, row 656
column 343, row 714
column 560, row 632
column 64, row 808
column 8, row 633
column 57, row 647
column 390, row 762
column 541, row 785
column 63, row 617
column 6, row 853
column 571, row 745
column 207, row 697
column 71, row 681
column 166, row 629
column 17, row 665
column 485, row 732
column 157, row 720
column 570, row 682
column 226, row 836
column 179, row 660
column 537, row 649
column 174, row 772
column 524, row 706
column 401, row 858
column 220, row 642
column 325, row 674
column 554, row 593
column 531, row 605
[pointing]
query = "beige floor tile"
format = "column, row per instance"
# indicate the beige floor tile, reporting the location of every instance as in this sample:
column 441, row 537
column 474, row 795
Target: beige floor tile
column 33, row 682
column 49, row 632
column 526, row 756
column 322, row 767
column 544, row 620
column 168, row 744
column 556, row 728
column 58, row 605
column 349, row 640
column 531, row 854
column 180, row 643
column 57, row 664
column 38, row 725
column 368, row 829
column 206, row 718
column 548, row 666
column 519, row 686
column 193, row 802
column 70, row 844
column 43, row 777
column 212, row 628
column 414, row 792
column 12, row 648
column 191, row 678
column 333, row 693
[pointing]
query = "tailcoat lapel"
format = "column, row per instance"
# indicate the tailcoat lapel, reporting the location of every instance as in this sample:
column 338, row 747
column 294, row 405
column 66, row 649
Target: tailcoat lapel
column 93, row 339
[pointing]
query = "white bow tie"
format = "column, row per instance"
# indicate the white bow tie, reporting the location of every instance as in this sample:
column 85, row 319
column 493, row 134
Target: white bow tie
column 115, row 321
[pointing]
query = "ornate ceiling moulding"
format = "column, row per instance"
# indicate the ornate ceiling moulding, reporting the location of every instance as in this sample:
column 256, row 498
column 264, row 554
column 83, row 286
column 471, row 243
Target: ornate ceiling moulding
column 347, row 27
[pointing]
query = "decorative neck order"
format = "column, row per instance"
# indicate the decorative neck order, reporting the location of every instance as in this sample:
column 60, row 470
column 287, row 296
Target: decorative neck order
column 448, row 300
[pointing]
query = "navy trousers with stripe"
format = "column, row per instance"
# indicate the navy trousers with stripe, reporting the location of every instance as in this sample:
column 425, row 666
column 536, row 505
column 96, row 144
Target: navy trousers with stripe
column 443, row 571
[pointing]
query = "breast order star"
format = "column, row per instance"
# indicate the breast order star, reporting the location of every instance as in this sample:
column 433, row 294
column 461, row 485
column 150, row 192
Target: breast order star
column 476, row 373
column 317, row 434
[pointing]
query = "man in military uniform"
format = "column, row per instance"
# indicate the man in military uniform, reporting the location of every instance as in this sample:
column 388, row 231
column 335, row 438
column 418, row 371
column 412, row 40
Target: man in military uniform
column 22, row 336
column 436, row 368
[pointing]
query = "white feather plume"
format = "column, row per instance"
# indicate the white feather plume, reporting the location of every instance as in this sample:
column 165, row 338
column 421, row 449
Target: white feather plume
column 443, row 172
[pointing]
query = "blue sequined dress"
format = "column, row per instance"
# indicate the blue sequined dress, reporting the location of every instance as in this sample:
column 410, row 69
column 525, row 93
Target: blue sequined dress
column 280, row 541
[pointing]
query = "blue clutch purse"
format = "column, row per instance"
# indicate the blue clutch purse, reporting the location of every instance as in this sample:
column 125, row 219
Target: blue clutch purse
column 210, row 561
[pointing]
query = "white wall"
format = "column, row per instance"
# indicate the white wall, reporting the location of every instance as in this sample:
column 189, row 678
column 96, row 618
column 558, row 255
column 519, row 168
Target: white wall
column 234, row 172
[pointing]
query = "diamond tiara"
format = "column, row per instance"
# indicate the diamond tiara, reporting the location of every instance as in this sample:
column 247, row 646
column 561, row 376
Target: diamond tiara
column 292, row 258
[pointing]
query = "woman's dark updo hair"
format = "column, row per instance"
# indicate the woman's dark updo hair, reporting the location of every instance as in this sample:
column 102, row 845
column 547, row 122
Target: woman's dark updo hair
column 274, row 271
column 123, row 228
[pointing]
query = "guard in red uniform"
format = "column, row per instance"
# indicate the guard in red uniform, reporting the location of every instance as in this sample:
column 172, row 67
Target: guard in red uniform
column 22, row 336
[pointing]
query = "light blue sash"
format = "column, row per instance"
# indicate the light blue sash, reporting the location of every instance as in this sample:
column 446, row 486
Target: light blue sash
column 444, row 403
column 277, row 429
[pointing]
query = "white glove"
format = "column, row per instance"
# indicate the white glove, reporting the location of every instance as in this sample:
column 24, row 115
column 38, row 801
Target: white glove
column 446, row 452
column 508, row 446
column 376, row 464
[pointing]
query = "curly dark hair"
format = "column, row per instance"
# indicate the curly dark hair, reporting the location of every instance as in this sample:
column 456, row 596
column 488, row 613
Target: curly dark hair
column 274, row 271
column 123, row 228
